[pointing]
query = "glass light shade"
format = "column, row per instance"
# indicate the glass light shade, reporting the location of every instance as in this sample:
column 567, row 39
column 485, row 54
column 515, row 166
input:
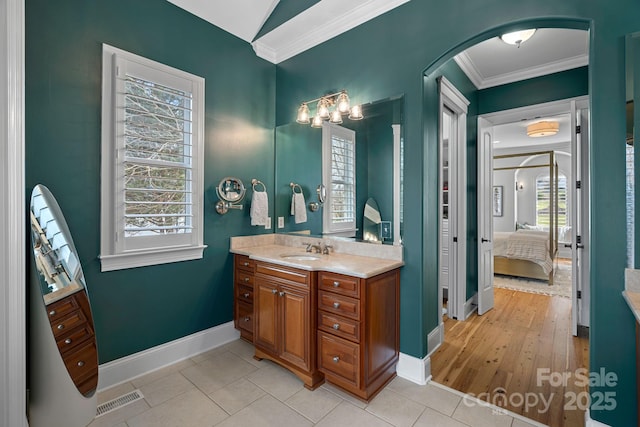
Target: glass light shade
column 336, row 117
column 303, row 114
column 317, row 121
column 343, row 103
column 517, row 37
column 543, row 128
column 356, row 113
column 323, row 108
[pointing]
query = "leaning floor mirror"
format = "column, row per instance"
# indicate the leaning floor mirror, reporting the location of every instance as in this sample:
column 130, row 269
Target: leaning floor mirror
column 63, row 353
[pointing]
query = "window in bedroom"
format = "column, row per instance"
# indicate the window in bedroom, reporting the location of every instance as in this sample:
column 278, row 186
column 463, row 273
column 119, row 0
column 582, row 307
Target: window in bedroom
column 152, row 162
column 543, row 201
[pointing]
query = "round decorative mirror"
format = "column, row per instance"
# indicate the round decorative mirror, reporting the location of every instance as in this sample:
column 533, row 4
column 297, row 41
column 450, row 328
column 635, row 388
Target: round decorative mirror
column 230, row 192
column 63, row 289
column 322, row 193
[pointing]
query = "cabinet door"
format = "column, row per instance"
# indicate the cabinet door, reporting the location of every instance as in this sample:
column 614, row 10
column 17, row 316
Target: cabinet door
column 266, row 315
column 295, row 326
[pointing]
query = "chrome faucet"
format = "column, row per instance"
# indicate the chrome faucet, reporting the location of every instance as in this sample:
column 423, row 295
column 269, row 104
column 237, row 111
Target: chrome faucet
column 317, row 247
column 326, row 249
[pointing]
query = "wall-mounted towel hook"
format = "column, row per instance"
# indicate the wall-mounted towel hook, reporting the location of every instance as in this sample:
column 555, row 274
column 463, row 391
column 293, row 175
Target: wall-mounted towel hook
column 294, row 186
column 255, row 182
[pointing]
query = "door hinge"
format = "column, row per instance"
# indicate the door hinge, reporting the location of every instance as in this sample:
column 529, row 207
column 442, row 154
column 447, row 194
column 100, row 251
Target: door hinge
column 455, row 240
column 579, row 294
column 578, row 184
column 578, row 239
column 578, row 129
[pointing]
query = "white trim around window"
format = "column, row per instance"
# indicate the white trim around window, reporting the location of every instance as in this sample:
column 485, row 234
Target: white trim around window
column 139, row 227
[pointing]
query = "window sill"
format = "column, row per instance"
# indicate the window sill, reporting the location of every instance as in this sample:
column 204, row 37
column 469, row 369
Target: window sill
column 150, row 257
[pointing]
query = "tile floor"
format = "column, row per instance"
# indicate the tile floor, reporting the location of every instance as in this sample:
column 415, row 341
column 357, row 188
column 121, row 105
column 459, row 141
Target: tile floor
column 226, row 387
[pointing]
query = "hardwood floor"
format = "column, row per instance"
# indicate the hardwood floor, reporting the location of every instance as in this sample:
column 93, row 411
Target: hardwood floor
column 515, row 357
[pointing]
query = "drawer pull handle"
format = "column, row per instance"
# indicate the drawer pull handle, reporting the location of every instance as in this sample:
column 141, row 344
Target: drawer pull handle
column 246, row 279
column 52, row 313
column 67, row 341
column 61, row 326
column 81, row 363
column 274, row 291
column 336, row 284
column 336, row 305
column 246, row 264
column 246, row 295
column 246, row 319
column 281, row 294
column 336, row 326
column 336, row 359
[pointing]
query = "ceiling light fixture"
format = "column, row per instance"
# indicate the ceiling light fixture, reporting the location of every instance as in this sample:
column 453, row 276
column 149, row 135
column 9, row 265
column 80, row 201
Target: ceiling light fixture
column 543, row 128
column 516, row 38
column 339, row 100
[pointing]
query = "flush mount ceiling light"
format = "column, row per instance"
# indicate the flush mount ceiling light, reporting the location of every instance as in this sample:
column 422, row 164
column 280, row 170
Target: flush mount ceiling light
column 339, row 101
column 543, row 128
column 516, row 38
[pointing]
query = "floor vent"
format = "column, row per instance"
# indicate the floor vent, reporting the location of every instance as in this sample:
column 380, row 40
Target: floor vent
column 119, row 402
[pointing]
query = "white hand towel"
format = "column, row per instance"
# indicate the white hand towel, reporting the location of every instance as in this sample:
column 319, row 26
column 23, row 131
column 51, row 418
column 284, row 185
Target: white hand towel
column 259, row 208
column 298, row 208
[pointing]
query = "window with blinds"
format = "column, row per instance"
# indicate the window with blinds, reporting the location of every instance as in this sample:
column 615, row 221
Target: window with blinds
column 543, row 201
column 153, row 125
column 339, row 176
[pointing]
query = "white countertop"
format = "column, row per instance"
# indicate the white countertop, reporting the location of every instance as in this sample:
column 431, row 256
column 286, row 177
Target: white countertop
column 632, row 291
column 342, row 263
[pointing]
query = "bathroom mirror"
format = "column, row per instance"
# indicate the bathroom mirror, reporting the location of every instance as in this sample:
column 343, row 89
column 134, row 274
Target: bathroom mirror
column 63, row 289
column 298, row 157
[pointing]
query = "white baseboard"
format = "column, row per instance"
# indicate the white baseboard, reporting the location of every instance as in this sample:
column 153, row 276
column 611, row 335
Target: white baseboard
column 588, row 422
column 413, row 369
column 135, row 365
column 470, row 306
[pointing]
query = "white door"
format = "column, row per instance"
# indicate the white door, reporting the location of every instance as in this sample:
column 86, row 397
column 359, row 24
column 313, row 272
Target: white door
column 485, row 216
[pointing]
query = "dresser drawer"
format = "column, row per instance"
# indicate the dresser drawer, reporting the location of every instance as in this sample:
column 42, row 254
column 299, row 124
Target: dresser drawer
column 243, row 262
column 82, row 364
column 61, row 308
column 345, row 285
column 338, row 325
column 70, row 321
column 244, row 294
column 67, row 342
column 244, row 317
column 339, row 357
column 244, row 278
column 339, row 304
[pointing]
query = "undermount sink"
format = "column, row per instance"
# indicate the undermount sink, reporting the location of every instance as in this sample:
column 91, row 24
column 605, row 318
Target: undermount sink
column 300, row 257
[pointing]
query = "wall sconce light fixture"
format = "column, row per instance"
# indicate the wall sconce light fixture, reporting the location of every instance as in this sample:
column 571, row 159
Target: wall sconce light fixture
column 339, row 100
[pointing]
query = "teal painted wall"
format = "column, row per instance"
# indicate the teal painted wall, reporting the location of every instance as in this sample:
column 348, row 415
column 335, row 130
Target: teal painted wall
column 388, row 55
column 140, row 308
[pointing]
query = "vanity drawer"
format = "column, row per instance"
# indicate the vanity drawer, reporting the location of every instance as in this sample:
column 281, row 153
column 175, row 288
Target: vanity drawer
column 339, row 304
column 293, row 275
column 244, row 278
column 244, row 317
column 82, row 363
column 70, row 340
column 345, row 285
column 243, row 262
column 60, row 308
column 339, row 357
column 244, row 294
column 338, row 325
column 67, row 323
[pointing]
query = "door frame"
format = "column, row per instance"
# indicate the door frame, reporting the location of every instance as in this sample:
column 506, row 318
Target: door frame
column 564, row 106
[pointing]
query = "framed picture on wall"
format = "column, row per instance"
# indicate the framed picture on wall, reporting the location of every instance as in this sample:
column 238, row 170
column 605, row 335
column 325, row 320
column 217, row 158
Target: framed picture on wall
column 497, row 200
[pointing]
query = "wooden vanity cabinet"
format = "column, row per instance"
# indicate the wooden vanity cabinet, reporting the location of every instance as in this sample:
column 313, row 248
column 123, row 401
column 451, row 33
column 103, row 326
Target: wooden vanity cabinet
column 285, row 326
column 243, row 273
column 358, row 331
column 71, row 323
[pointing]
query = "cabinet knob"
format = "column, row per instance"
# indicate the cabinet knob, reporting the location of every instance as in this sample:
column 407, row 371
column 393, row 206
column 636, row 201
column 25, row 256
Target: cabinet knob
column 81, row 363
column 61, row 326
column 336, row 305
column 336, row 326
column 336, row 359
column 281, row 294
column 246, row 264
column 246, row 295
column 274, row 291
column 67, row 341
column 336, row 284
column 52, row 313
column 246, row 319
column 246, row 279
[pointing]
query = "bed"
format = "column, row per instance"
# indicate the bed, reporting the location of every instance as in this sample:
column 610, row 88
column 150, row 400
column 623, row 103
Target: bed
column 524, row 253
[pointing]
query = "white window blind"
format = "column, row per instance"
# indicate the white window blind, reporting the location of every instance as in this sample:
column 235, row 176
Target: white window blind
column 543, row 201
column 339, row 166
column 152, row 162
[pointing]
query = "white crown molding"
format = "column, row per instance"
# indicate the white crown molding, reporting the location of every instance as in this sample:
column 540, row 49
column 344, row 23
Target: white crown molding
column 321, row 33
column 138, row 364
column 466, row 64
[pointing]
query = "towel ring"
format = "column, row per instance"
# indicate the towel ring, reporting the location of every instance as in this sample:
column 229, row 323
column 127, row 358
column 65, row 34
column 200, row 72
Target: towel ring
column 255, row 182
column 294, row 186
